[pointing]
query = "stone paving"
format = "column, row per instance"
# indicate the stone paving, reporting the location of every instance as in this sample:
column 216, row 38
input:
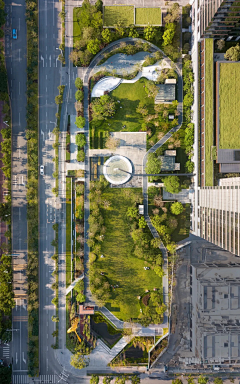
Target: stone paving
column 132, row 146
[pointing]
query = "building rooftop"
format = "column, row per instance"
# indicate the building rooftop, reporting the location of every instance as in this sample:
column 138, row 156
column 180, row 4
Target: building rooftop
column 166, row 93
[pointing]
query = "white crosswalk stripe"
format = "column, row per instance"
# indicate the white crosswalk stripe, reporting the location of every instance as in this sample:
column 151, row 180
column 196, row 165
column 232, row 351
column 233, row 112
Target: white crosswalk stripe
column 6, row 351
column 47, row 379
column 20, row 379
column 42, row 379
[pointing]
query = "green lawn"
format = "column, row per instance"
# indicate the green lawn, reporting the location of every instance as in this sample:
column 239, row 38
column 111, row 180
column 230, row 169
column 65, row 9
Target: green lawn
column 129, row 95
column 76, row 24
column 229, row 105
column 123, row 14
column 68, row 231
column 209, row 111
column 119, row 264
column 144, row 16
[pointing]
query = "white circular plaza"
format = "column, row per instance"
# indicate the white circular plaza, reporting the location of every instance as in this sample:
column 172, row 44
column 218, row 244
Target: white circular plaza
column 117, row 170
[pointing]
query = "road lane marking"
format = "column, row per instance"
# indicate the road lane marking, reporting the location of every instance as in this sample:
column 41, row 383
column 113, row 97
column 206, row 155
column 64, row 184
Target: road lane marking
column 50, row 59
column 24, row 360
column 19, row 118
column 42, row 58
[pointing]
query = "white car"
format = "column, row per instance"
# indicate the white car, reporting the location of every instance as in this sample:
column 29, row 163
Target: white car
column 42, row 170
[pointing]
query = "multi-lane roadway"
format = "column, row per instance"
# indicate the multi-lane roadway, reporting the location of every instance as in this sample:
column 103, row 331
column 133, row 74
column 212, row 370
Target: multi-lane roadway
column 16, row 62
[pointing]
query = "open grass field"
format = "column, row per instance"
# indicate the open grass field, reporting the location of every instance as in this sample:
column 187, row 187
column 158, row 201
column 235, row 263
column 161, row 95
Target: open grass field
column 129, row 96
column 76, row 24
column 144, row 16
column 229, row 105
column 119, row 264
column 113, row 15
column 209, row 111
column 68, row 231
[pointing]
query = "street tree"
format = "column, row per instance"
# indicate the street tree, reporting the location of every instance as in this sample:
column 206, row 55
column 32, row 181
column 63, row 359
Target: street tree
column 149, row 32
column 153, row 165
column 233, row 53
column 80, row 156
column 220, row 44
column 176, row 208
column 78, row 361
column 80, row 139
column 107, row 35
column 168, row 34
column 80, row 121
column 78, row 83
column 93, row 46
column 202, row 379
column 172, row 184
column 79, row 95
column 103, row 107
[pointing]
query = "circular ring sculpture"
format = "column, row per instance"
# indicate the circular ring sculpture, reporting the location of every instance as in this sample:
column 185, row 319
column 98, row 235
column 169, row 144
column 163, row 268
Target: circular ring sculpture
column 117, row 170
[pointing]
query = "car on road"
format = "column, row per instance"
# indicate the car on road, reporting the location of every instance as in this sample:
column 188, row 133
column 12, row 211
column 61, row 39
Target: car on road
column 14, row 34
column 42, row 170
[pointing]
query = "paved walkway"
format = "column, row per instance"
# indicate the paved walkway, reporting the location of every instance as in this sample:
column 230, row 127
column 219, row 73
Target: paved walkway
column 109, row 83
column 70, row 288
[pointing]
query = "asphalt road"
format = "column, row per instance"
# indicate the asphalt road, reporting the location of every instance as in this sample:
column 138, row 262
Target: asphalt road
column 49, row 80
column 16, row 69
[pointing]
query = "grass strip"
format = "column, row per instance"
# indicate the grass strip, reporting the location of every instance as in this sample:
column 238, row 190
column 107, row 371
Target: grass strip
column 123, row 14
column 209, row 111
column 145, row 16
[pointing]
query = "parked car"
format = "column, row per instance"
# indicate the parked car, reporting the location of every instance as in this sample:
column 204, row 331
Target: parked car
column 42, row 170
column 14, row 34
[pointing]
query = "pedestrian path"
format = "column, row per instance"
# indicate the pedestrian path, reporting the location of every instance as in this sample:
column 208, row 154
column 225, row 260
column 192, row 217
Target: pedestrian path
column 6, row 352
column 69, row 289
column 25, row 379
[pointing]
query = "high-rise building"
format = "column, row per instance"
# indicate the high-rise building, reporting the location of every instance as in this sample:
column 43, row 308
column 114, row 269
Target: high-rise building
column 219, row 214
column 219, row 19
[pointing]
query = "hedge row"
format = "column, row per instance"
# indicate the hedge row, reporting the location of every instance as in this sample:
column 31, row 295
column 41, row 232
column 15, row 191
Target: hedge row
column 62, row 15
column 32, row 184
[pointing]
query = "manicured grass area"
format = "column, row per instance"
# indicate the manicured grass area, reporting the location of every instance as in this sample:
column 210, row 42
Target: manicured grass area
column 209, row 99
column 68, row 231
column 144, row 16
column 76, row 24
column 119, row 264
column 67, row 145
column 113, row 15
column 129, row 96
column 229, row 105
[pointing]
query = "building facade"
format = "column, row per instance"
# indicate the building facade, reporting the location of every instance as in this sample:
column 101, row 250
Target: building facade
column 219, row 214
column 219, row 19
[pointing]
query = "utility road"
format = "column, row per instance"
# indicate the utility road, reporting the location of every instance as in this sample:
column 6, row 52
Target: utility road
column 16, row 69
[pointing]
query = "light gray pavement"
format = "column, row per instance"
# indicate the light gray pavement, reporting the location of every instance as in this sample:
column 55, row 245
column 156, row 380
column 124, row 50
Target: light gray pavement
column 16, row 62
column 133, row 146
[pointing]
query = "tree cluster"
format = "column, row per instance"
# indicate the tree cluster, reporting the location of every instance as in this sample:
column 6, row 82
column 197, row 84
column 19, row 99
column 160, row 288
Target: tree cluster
column 103, row 107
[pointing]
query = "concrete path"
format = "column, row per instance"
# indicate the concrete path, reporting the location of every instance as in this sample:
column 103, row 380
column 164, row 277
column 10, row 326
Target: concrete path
column 121, row 67
column 70, row 288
